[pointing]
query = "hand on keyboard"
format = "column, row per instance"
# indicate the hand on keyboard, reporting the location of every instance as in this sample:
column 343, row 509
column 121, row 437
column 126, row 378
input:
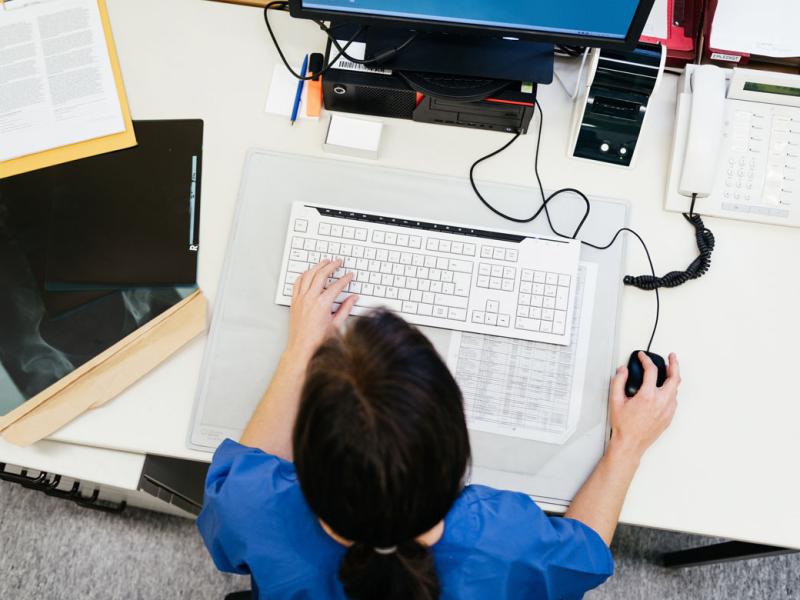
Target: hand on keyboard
column 311, row 320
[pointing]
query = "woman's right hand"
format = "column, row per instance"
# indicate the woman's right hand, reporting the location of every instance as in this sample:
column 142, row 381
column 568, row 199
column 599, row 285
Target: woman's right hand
column 638, row 422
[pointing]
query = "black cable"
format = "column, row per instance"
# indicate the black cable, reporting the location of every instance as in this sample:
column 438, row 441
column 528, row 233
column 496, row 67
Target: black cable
column 704, row 237
column 342, row 50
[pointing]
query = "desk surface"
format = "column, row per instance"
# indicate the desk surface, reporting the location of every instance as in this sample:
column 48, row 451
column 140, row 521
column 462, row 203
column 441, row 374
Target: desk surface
column 724, row 468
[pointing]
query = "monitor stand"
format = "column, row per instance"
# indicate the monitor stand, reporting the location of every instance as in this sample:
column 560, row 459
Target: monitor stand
column 463, row 55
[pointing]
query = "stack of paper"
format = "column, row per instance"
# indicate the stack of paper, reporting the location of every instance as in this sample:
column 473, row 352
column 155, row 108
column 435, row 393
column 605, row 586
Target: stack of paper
column 61, row 94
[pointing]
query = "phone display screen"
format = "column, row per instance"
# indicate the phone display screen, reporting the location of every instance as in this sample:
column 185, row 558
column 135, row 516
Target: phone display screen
column 768, row 88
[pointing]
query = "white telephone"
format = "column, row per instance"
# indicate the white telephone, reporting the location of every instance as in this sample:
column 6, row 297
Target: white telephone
column 737, row 151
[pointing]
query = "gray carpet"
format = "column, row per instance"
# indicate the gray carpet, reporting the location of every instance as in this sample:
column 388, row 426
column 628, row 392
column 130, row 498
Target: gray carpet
column 53, row 549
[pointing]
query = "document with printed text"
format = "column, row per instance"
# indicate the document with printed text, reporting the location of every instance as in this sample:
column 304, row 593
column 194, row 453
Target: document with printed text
column 56, row 80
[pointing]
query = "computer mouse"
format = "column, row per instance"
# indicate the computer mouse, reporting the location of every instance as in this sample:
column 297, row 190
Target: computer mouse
column 636, row 372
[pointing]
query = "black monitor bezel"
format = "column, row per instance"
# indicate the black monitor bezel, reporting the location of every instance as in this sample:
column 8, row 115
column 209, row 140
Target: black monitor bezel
column 627, row 43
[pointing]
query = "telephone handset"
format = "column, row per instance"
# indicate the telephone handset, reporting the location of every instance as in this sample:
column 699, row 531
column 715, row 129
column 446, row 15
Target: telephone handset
column 706, row 125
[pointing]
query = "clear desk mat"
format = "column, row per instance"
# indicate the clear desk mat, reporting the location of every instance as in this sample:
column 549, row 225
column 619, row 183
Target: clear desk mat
column 248, row 330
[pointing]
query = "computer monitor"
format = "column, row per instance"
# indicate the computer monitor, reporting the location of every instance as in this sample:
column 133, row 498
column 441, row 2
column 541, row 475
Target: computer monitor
column 596, row 23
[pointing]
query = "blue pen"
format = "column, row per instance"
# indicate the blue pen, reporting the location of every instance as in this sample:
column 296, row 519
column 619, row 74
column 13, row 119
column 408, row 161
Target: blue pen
column 299, row 95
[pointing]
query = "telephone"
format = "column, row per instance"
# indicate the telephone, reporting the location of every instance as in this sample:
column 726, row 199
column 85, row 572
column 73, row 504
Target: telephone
column 736, row 148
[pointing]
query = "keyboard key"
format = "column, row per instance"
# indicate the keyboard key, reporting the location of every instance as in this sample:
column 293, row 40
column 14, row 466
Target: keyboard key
column 444, row 245
column 499, row 254
column 549, row 302
column 551, row 279
column 297, row 266
column 432, row 244
column 355, row 287
column 297, row 242
column 292, row 277
column 440, row 312
column 398, row 269
column 410, row 271
column 324, row 229
column 334, row 247
column 495, row 283
column 402, row 239
column 459, row 266
column 416, row 296
column 547, row 314
column 508, row 285
column 287, row 290
column 391, row 238
column 535, row 312
column 336, row 230
column 457, row 248
column 424, row 284
column 358, row 251
column 436, row 286
column 450, row 301
column 399, row 281
column 361, row 234
column 415, row 241
column 441, row 263
column 522, row 311
column 482, row 282
column 497, row 271
column 380, row 291
column 378, row 237
column 435, row 275
column 362, row 264
column 418, row 260
column 297, row 254
column 300, row 225
column 491, row 318
column 477, row 316
column 538, row 288
column 448, row 288
column 392, row 293
column 346, row 249
column 558, row 328
column 492, row 306
column 538, row 277
column 425, row 309
column 469, row 250
column 536, row 300
column 484, row 269
column 387, row 279
column 412, row 283
column 563, row 279
column 550, row 290
column 370, row 253
column 410, row 308
column 314, row 257
column 512, row 255
column 457, row 314
column 546, row 327
column 310, row 244
column 486, row 252
column 526, row 287
column 348, row 232
column 375, row 278
column 525, row 299
column 527, row 324
column 527, row 275
column 428, row 297
column 509, row 272
column 386, row 267
column 367, row 289
column 461, row 283
column 447, row 276
column 394, row 256
column 405, row 258
column 503, row 320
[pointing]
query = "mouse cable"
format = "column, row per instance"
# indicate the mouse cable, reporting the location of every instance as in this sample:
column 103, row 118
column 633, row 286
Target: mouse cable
column 341, row 50
column 704, row 237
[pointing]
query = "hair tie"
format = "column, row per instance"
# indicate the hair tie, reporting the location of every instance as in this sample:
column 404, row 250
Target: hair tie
column 386, row 551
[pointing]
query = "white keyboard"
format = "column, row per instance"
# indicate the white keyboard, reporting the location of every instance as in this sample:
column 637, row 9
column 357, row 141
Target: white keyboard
column 439, row 274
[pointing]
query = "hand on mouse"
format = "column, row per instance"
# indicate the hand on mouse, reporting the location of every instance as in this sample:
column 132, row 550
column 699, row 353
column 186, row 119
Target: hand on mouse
column 311, row 320
column 637, row 422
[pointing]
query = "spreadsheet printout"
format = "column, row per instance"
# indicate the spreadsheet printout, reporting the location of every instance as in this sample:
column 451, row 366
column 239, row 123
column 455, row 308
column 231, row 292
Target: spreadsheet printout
column 530, row 390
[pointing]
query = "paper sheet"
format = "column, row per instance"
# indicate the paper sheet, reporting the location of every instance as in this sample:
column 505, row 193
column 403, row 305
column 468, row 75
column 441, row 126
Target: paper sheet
column 530, row 390
column 282, row 92
column 56, row 80
column 656, row 24
column 768, row 27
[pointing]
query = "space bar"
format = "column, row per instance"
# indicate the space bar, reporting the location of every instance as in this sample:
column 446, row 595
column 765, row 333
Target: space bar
column 375, row 302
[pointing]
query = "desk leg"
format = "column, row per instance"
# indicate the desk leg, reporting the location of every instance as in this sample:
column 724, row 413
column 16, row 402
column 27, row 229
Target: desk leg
column 722, row 552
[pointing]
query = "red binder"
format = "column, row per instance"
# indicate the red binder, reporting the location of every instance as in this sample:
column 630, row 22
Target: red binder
column 719, row 55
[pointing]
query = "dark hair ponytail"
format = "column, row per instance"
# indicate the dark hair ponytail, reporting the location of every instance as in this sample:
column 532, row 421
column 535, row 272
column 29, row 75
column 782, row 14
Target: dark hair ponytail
column 381, row 450
column 408, row 572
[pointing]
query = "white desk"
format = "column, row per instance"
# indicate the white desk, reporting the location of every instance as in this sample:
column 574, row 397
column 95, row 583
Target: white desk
column 727, row 466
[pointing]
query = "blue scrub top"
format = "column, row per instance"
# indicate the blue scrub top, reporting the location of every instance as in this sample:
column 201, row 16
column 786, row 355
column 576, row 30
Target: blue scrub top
column 496, row 544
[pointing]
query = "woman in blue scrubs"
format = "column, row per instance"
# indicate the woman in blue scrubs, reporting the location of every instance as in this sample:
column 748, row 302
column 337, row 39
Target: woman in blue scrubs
column 348, row 482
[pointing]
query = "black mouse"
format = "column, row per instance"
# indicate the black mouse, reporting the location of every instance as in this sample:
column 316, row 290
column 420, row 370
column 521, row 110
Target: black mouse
column 636, row 372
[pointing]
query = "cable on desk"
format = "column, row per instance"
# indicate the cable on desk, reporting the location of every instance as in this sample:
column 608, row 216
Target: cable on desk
column 704, row 237
column 342, row 50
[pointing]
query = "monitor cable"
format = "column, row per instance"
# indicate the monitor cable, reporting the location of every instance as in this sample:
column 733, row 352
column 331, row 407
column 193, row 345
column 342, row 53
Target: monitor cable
column 703, row 236
column 382, row 56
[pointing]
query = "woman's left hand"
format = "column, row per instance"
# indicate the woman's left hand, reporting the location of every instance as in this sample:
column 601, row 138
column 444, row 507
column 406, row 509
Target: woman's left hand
column 311, row 321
